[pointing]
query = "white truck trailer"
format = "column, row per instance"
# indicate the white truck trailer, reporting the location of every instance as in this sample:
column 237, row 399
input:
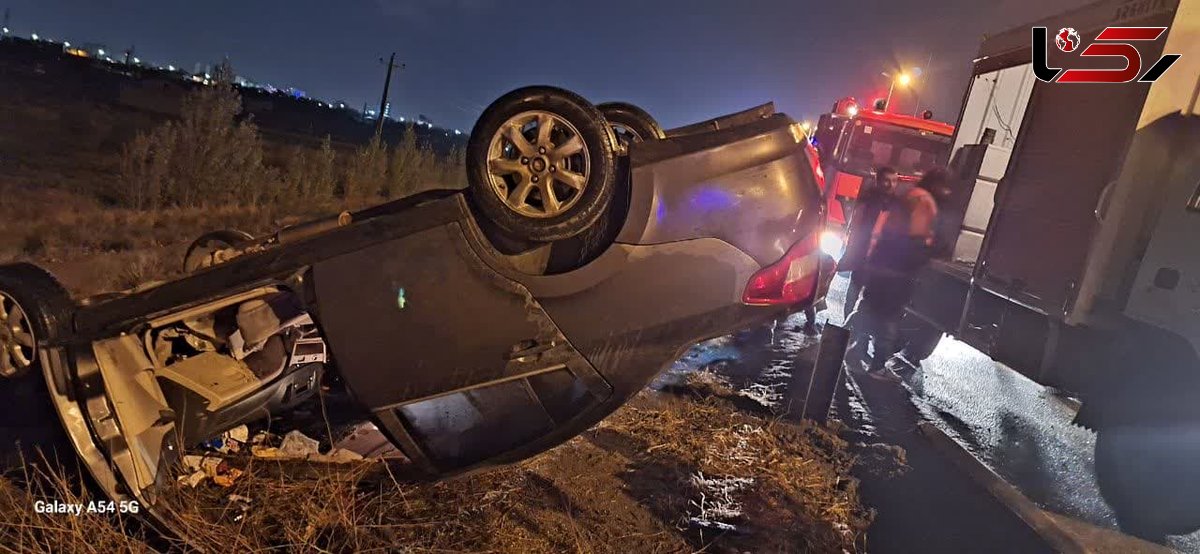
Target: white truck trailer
column 1075, row 228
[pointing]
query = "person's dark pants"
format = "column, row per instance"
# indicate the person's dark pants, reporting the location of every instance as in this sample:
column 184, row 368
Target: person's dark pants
column 883, row 330
column 853, row 292
column 810, row 320
column 877, row 319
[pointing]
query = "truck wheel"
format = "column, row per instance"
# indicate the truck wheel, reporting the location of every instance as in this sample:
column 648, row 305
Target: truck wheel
column 200, row 253
column 1150, row 478
column 541, row 164
column 34, row 308
column 630, row 123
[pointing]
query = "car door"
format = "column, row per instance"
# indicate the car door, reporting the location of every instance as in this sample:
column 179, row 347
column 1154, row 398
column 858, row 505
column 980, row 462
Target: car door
column 457, row 363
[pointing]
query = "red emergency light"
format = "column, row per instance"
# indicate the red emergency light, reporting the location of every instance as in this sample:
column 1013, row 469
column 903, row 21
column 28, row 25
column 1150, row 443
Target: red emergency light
column 847, row 106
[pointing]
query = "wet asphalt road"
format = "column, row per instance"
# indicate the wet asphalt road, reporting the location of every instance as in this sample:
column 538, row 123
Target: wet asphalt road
column 1019, row 429
column 1015, row 426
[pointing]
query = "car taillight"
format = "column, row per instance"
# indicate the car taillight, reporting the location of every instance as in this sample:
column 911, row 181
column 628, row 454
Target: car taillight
column 791, row 280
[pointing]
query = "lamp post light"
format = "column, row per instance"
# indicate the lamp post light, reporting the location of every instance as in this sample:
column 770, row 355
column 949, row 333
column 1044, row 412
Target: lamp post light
column 903, row 79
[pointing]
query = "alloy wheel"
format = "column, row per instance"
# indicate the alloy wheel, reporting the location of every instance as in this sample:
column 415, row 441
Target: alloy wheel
column 538, row 164
column 18, row 345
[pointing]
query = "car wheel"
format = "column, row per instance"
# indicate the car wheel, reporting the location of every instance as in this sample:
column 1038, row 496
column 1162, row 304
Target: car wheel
column 541, row 164
column 200, row 253
column 1149, row 476
column 34, row 308
column 630, row 123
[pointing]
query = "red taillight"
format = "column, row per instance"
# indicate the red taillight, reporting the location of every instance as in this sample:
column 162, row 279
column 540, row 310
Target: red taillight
column 791, row 280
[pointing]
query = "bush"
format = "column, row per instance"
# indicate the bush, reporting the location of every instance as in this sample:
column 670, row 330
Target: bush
column 206, row 158
column 454, row 170
column 367, row 172
column 146, row 169
column 409, row 164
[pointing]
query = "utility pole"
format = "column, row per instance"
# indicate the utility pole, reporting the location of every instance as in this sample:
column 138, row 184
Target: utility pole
column 129, row 57
column 4, row 25
column 387, row 85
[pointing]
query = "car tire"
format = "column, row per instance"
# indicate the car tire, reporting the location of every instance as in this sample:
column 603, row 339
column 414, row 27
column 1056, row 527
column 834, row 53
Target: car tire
column 29, row 424
column 206, row 244
column 34, row 308
column 1149, row 476
column 541, row 186
column 631, row 123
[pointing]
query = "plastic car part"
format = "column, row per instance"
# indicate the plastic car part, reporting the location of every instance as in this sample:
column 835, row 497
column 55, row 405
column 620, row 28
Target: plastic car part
column 540, row 164
column 217, row 378
column 630, row 123
column 791, row 280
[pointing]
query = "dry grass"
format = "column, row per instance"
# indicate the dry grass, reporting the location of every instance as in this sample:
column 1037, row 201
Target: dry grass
column 629, row 485
column 94, row 249
column 23, row 529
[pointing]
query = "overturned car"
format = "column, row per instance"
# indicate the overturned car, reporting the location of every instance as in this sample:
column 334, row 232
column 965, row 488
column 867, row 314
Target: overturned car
column 476, row 327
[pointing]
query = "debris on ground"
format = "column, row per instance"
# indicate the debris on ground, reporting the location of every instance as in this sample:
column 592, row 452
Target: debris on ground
column 230, row 441
column 295, row 445
column 366, row 440
column 198, row 469
column 298, row 446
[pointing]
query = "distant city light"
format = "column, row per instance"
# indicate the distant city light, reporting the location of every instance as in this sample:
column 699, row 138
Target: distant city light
column 92, row 51
column 457, row 132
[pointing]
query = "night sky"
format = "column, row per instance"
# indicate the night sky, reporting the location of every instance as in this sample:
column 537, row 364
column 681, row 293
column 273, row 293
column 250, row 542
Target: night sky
column 683, row 60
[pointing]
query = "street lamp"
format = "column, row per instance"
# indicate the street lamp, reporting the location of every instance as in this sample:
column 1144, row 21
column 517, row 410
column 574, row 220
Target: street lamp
column 903, row 79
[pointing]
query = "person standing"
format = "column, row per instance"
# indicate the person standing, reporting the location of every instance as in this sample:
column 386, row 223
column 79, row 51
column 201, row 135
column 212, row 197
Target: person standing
column 872, row 201
column 901, row 246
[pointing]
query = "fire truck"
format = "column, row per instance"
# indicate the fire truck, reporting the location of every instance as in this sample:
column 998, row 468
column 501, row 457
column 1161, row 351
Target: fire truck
column 854, row 142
